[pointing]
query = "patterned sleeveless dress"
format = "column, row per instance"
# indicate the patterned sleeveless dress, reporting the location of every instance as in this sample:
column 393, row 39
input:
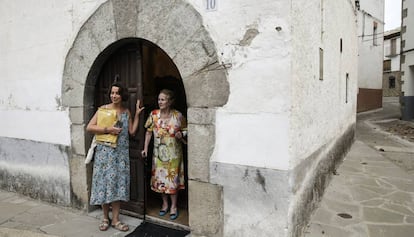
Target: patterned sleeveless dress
column 111, row 177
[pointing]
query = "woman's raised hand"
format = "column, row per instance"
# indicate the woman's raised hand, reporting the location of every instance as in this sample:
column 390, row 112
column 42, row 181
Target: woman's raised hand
column 138, row 107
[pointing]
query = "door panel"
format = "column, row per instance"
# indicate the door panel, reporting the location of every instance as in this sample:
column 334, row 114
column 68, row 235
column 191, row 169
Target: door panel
column 125, row 64
column 144, row 69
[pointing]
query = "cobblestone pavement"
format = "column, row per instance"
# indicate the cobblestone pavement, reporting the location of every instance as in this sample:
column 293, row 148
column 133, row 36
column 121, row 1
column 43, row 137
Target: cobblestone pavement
column 372, row 194
column 22, row 216
column 402, row 129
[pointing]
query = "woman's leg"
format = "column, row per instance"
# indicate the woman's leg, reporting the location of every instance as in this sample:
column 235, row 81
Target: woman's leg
column 164, row 207
column 116, row 223
column 104, row 225
column 174, row 198
column 164, row 202
column 116, row 206
column 173, row 210
column 105, row 208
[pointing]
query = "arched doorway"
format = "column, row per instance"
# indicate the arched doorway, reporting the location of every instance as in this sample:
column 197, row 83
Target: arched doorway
column 144, row 69
column 186, row 41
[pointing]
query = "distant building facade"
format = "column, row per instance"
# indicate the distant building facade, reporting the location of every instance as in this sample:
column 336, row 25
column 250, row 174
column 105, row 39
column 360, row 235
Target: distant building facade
column 391, row 81
column 407, row 60
column 370, row 54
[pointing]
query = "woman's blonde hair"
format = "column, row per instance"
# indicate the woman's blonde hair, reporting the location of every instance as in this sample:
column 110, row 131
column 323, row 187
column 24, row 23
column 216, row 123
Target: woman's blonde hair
column 169, row 94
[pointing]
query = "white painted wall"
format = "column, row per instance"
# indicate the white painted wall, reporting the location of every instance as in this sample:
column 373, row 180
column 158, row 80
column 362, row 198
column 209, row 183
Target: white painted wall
column 370, row 55
column 261, row 76
column 319, row 111
column 408, row 22
column 35, row 38
column 408, row 37
column 252, row 128
column 260, row 117
column 371, row 6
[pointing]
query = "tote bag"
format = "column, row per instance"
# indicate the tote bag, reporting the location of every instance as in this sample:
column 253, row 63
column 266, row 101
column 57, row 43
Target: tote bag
column 91, row 151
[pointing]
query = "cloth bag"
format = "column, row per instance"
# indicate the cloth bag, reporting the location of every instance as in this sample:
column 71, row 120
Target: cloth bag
column 91, row 151
column 106, row 118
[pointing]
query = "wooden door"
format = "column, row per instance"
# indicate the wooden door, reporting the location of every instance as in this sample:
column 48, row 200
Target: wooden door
column 126, row 65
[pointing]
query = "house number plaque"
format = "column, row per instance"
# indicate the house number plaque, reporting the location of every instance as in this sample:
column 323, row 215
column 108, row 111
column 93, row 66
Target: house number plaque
column 211, row 5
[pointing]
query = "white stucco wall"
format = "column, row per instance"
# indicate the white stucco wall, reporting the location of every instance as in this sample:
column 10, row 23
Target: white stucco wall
column 253, row 125
column 408, row 23
column 371, row 6
column 408, row 37
column 370, row 55
column 260, row 76
column 322, row 109
column 35, row 38
column 395, row 59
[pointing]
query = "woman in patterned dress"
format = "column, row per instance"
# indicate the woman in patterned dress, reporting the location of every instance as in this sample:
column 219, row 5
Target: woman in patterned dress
column 169, row 128
column 111, row 177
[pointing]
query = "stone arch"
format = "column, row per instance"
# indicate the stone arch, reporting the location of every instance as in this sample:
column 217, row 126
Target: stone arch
column 177, row 28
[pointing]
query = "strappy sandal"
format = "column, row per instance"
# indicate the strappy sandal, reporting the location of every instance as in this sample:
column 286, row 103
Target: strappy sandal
column 163, row 212
column 173, row 215
column 104, row 225
column 121, row 226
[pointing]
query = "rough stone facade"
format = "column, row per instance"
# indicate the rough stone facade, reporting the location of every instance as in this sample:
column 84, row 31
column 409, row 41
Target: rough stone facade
column 387, row 89
column 39, row 170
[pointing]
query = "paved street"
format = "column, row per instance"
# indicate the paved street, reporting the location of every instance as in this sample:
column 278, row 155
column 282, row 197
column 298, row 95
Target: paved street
column 25, row 217
column 372, row 194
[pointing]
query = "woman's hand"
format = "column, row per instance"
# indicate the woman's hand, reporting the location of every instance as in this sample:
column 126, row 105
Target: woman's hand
column 178, row 135
column 114, row 130
column 144, row 153
column 138, row 107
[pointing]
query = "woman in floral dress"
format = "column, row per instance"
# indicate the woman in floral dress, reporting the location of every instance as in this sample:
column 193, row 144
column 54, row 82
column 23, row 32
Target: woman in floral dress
column 111, row 172
column 169, row 128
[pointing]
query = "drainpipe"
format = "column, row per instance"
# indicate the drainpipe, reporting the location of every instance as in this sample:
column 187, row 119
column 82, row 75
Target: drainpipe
column 363, row 24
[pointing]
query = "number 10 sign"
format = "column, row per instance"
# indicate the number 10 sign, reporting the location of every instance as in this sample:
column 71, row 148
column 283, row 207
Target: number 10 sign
column 211, row 5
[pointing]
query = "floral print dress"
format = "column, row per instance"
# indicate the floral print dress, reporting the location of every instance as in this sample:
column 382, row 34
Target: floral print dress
column 111, row 177
column 167, row 174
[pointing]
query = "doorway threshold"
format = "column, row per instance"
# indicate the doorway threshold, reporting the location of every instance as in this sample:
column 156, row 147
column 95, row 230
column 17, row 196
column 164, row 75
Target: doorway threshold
column 148, row 229
column 165, row 223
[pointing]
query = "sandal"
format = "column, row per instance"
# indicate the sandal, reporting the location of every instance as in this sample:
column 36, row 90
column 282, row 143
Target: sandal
column 121, row 226
column 104, row 225
column 173, row 216
column 163, row 212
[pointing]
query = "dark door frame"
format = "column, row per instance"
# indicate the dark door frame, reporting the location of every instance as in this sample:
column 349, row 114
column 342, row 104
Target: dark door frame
column 115, row 56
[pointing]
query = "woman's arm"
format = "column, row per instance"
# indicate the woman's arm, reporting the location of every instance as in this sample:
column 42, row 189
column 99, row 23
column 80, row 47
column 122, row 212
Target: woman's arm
column 133, row 125
column 148, row 136
column 182, row 133
column 93, row 127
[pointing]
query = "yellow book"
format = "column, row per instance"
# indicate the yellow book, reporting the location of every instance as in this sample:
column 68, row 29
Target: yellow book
column 106, row 118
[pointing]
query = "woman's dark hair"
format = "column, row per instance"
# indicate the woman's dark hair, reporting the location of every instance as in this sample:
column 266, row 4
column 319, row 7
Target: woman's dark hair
column 170, row 94
column 122, row 91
